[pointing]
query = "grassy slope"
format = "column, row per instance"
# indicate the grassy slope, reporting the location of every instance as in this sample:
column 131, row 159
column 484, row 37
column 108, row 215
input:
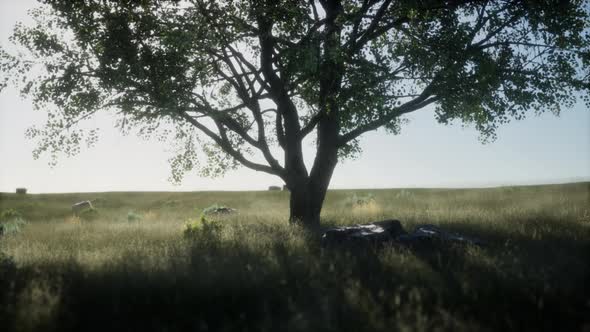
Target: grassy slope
column 258, row 273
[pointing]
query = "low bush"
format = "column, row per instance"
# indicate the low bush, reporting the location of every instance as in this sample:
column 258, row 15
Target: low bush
column 202, row 227
column 11, row 221
column 10, row 214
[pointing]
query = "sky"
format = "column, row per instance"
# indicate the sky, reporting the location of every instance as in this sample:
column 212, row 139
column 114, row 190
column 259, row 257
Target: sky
column 537, row 150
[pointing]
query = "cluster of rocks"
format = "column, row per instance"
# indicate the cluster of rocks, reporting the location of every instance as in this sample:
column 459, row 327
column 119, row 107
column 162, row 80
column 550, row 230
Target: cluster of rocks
column 277, row 188
column 81, row 206
column 88, row 205
column 219, row 210
column 391, row 232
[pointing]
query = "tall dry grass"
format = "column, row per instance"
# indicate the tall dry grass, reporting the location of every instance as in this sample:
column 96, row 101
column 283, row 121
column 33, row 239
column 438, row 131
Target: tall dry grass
column 258, row 273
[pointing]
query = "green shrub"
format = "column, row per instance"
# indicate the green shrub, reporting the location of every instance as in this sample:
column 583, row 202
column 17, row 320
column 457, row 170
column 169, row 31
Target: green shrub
column 11, row 221
column 10, row 214
column 133, row 217
column 202, row 227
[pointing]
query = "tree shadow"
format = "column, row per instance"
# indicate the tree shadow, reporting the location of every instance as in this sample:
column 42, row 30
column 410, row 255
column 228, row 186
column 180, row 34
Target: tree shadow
column 239, row 285
column 513, row 282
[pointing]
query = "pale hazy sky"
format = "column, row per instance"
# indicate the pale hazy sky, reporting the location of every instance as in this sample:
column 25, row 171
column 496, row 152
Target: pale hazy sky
column 426, row 154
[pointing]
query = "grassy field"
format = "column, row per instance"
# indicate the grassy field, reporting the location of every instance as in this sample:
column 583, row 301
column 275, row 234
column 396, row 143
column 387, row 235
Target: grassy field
column 256, row 273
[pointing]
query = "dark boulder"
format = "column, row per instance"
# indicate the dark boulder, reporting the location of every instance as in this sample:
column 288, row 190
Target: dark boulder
column 425, row 234
column 391, row 232
column 82, row 206
column 219, row 210
column 373, row 233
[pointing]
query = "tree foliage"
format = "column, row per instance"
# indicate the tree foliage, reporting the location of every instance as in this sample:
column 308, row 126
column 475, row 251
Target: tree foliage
column 236, row 81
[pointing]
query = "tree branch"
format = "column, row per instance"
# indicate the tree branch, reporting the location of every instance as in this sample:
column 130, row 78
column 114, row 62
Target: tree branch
column 278, row 87
column 224, row 143
column 423, row 100
column 310, row 125
column 365, row 35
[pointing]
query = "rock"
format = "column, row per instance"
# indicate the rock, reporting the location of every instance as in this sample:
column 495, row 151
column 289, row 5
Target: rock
column 429, row 233
column 274, row 188
column 21, row 191
column 373, row 233
column 219, row 210
column 80, row 206
column 391, row 231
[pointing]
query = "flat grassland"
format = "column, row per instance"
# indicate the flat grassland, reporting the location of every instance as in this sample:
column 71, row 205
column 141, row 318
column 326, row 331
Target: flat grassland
column 132, row 268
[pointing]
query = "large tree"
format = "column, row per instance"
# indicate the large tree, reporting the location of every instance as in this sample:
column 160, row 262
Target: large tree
column 242, row 80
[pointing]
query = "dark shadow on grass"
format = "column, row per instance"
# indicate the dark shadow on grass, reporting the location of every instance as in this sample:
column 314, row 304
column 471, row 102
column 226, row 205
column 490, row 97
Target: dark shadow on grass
column 522, row 282
column 228, row 285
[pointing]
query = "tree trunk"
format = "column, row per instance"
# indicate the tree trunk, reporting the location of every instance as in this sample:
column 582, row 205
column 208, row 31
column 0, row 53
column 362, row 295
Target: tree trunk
column 305, row 203
column 308, row 193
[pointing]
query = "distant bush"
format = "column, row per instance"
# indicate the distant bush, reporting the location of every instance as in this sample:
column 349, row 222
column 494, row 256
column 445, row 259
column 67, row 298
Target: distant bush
column 10, row 214
column 133, row 217
column 11, row 221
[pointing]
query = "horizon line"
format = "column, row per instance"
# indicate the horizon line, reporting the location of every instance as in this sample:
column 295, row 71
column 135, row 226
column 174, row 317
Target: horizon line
column 582, row 180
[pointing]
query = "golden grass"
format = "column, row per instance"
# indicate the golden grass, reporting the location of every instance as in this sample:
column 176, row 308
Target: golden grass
column 539, row 248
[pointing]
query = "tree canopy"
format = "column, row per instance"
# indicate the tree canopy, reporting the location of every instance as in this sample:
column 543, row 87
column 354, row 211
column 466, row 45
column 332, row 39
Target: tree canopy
column 239, row 81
